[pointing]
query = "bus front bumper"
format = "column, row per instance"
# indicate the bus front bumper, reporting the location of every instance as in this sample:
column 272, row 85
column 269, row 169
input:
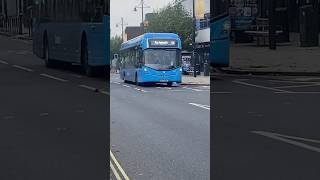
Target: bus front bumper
column 153, row 76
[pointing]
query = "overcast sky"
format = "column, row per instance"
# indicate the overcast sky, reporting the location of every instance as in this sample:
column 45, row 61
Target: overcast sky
column 124, row 8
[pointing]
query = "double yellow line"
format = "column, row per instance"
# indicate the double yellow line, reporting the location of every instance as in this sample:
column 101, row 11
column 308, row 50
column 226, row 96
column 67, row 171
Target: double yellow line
column 116, row 168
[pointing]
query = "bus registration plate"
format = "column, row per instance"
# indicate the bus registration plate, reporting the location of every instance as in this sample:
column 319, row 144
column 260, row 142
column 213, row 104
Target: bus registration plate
column 163, row 80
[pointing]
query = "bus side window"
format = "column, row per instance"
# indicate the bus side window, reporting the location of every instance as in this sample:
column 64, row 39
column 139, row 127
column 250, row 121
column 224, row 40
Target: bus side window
column 140, row 56
column 137, row 58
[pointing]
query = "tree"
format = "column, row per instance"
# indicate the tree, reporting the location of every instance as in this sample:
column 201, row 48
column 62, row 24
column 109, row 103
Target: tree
column 174, row 18
column 115, row 44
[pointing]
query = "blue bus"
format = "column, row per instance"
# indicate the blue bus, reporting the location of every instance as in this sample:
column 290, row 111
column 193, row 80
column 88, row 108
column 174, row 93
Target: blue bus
column 152, row 58
column 220, row 34
column 76, row 32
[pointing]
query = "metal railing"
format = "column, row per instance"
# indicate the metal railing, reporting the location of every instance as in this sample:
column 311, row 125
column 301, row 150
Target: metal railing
column 203, row 24
column 16, row 25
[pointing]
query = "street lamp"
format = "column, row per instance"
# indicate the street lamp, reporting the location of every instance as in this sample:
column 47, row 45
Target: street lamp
column 142, row 6
column 194, row 40
column 122, row 25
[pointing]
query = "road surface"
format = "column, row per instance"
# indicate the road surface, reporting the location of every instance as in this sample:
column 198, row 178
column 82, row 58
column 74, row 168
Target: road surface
column 52, row 125
column 265, row 127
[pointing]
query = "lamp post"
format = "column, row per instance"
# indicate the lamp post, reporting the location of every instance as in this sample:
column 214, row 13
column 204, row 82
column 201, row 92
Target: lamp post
column 122, row 25
column 142, row 6
column 194, row 39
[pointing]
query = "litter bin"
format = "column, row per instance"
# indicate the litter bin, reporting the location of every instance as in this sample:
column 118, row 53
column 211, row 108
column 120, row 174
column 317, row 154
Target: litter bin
column 309, row 32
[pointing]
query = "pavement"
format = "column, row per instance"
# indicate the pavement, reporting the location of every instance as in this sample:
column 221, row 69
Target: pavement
column 24, row 36
column 160, row 132
column 288, row 59
column 199, row 80
column 265, row 127
column 52, row 124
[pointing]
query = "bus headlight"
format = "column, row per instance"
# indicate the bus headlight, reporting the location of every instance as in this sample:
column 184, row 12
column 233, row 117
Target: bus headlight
column 180, row 69
column 145, row 69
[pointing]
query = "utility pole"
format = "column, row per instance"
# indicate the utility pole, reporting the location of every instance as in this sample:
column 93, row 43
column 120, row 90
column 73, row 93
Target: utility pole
column 142, row 6
column 122, row 27
column 194, row 40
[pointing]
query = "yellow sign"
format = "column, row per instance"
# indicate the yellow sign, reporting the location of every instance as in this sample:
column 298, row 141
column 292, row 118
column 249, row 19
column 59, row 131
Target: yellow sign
column 199, row 9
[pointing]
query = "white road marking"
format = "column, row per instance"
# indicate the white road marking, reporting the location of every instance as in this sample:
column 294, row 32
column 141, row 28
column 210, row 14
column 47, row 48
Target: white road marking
column 113, row 169
column 126, row 86
column 299, row 86
column 307, row 78
column 198, row 90
column 53, row 77
column 288, row 139
column 178, row 90
column 104, row 92
column 297, row 92
column 138, row 89
column 258, row 86
column 44, row 114
column 89, row 87
column 296, row 82
column 4, row 62
column 221, row 92
column 118, row 166
column 23, row 68
column 201, row 106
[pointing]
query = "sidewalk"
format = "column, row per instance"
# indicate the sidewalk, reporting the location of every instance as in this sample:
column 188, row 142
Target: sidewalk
column 16, row 36
column 199, row 80
column 289, row 58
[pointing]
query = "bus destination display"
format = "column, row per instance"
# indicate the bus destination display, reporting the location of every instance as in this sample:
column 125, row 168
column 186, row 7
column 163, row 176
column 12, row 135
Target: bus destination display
column 154, row 43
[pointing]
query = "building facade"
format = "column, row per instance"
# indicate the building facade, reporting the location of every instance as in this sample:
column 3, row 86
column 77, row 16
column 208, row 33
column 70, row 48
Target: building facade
column 244, row 13
column 132, row 32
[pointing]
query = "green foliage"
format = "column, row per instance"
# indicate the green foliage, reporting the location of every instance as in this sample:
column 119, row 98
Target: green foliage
column 174, row 18
column 115, row 44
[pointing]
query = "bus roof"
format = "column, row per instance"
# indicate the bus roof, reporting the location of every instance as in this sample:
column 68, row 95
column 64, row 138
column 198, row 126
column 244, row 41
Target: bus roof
column 142, row 40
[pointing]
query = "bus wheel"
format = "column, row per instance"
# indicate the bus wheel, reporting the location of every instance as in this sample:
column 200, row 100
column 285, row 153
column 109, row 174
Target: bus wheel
column 136, row 80
column 48, row 62
column 88, row 70
column 169, row 84
column 124, row 77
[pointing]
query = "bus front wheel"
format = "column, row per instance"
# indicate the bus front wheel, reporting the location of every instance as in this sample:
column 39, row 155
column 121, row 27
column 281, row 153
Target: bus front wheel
column 137, row 81
column 169, row 84
column 88, row 70
column 48, row 62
